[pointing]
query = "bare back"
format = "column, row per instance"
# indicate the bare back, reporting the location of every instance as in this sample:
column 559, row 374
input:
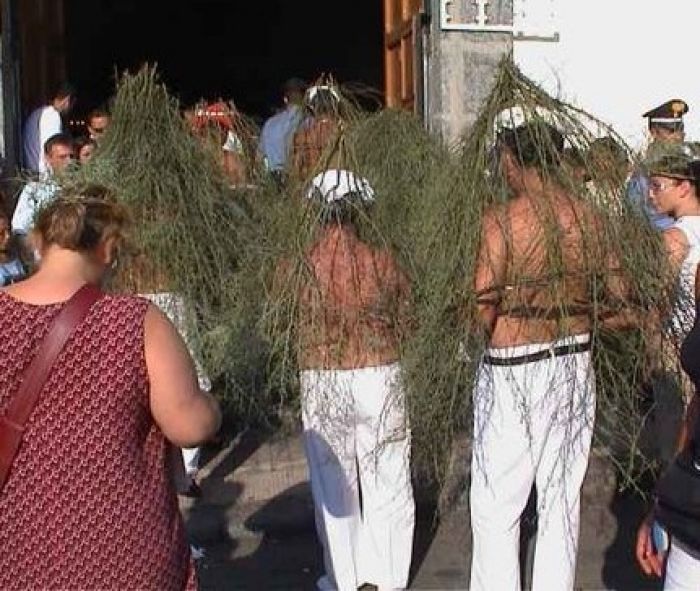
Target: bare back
column 312, row 143
column 535, row 267
column 350, row 311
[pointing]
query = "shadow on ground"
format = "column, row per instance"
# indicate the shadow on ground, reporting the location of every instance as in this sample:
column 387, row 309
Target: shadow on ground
column 275, row 547
column 272, row 545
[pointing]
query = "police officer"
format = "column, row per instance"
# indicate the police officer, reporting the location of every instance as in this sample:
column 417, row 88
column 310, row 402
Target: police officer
column 665, row 127
column 666, row 121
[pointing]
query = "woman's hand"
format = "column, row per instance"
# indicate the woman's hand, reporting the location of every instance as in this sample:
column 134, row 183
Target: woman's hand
column 650, row 561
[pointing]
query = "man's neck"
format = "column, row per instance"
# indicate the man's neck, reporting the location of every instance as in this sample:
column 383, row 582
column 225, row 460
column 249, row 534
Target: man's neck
column 47, row 176
column 691, row 210
column 345, row 234
column 535, row 186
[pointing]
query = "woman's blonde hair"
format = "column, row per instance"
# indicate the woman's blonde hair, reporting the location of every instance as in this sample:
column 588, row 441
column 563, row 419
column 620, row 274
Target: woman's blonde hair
column 81, row 217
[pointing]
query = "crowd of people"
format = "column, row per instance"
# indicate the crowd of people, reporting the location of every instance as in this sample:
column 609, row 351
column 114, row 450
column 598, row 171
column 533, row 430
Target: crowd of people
column 125, row 388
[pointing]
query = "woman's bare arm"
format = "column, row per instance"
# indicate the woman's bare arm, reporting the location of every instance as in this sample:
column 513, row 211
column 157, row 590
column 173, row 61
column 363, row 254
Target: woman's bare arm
column 187, row 416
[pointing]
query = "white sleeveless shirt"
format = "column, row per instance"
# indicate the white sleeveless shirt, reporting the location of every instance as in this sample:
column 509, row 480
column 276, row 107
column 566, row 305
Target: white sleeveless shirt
column 683, row 314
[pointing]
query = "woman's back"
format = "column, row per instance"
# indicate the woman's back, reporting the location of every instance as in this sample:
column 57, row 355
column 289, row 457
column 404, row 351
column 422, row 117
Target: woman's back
column 88, row 502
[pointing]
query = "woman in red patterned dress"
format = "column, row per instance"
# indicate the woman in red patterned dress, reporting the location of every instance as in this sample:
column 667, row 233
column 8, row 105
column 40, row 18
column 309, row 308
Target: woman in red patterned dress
column 89, row 503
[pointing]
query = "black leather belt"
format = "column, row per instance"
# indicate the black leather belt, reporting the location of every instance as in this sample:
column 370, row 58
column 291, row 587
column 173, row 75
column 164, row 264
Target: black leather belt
column 538, row 355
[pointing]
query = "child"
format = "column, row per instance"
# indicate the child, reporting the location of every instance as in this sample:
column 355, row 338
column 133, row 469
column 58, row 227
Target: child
column 11, row 268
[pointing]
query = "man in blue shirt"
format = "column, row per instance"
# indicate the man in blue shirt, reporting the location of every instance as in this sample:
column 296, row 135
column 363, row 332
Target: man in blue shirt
column 278, row 131
column 665, row 127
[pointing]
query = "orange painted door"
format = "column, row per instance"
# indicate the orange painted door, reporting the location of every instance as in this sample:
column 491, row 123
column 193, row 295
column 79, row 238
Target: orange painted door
column 401, row 31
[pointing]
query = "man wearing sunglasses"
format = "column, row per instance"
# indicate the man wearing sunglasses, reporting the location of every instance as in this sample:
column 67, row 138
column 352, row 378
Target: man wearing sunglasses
column 665, row 128
column 98, row 121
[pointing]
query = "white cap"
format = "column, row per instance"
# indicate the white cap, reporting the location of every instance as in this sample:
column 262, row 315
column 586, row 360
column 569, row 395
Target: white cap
column 334, row 185
column 312, row 91
column 518, row 115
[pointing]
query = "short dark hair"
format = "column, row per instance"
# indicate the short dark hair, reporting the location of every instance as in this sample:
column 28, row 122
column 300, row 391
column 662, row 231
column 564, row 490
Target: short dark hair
column 80, row 142
column 63, row 90
column 294, row 86
column 59, row 139
column 97, row 112
column 535, row 144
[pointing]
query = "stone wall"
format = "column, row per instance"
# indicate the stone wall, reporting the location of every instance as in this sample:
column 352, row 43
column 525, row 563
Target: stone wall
column 461, row 68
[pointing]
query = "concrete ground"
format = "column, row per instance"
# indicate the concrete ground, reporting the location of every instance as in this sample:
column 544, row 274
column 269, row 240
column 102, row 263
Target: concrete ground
column 255, row 522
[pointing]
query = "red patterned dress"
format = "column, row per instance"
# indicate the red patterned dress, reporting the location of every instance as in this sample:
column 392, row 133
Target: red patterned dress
column 88, row 503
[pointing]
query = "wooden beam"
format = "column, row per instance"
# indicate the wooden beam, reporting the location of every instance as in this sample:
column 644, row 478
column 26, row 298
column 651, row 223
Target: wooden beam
column 395, row 36
column 390, row 73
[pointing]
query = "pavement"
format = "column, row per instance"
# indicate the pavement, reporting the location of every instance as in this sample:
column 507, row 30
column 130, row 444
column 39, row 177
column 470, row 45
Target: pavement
column 255, row 522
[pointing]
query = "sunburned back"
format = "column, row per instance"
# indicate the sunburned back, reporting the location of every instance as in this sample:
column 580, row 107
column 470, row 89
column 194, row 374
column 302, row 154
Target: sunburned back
column 349, row 308
column 550, row 252
column 313, row 141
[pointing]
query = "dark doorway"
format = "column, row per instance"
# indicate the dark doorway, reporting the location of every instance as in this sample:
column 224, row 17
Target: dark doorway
column 240, row 50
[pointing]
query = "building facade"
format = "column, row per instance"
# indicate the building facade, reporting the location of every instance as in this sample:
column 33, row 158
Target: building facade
column 613, row 59
column 33, row 62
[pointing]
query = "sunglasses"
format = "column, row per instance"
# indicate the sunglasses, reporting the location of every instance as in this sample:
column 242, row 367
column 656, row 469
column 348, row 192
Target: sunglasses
column 662, row 186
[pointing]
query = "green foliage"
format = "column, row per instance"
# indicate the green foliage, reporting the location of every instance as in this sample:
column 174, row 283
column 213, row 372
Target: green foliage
column 238, row 256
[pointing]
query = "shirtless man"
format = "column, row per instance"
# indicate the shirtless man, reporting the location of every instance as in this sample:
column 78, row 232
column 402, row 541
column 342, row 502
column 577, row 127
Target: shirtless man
column 315, row 144
column 355, row 432
column 534, row 397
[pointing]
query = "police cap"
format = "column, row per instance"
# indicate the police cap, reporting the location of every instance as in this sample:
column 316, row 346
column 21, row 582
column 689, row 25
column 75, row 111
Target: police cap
column 669, row 114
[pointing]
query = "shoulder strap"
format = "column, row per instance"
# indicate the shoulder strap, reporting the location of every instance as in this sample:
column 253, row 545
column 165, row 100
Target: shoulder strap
column 68, row 319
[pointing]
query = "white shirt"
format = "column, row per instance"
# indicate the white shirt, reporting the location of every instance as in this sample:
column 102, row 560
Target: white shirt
column 33, row 197
column 233, row 143
column 683, row 315
column 49, row 125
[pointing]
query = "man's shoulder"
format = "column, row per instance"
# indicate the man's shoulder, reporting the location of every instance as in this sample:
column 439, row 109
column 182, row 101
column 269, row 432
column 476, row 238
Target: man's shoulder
column 43, row 183
column 276, row 119
column 31, row 188
column 497, row 212
column 39, row 191
column 381, row 257
column 31, row 123
column 49, row 111
column 36, row 113
column 302, row 135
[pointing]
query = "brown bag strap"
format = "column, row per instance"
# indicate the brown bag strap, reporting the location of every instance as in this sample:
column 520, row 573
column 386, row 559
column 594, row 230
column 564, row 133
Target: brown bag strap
column 68, row 319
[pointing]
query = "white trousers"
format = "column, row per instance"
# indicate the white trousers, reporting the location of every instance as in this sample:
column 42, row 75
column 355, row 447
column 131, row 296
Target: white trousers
column 173, row 306
column 357, row 439
column 533, row 423
column 682, row 569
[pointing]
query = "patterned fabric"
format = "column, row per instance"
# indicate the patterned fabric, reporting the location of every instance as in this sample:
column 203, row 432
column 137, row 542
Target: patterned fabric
column 88, row 503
